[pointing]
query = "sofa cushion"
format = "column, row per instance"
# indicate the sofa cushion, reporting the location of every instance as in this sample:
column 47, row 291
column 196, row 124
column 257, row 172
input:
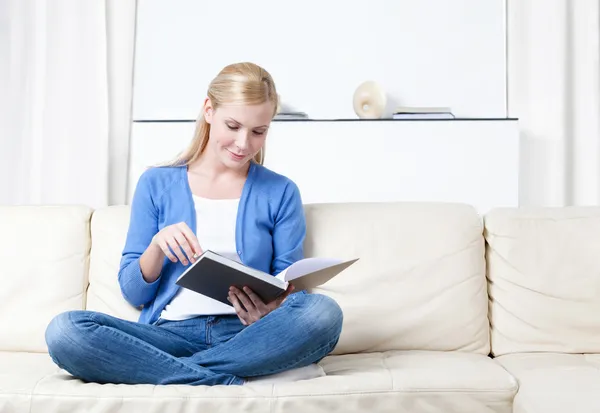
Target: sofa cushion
column 420, row 282
column 555, row 383
column 109, row 230
column 19, row 373
column 44, row 254
column 416, row 382
column 544, row 279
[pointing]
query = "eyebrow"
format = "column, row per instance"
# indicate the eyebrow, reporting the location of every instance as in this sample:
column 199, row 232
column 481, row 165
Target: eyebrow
column 256, row 127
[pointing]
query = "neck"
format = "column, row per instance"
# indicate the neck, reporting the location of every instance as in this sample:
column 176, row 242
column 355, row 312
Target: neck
column 212, row 168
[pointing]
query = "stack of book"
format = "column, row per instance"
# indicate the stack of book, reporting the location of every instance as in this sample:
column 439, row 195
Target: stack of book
column 405, row 112
column 291, row 115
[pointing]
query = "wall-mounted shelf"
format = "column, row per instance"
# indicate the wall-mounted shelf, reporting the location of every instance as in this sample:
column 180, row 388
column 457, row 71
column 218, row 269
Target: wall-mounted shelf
column 343, row 120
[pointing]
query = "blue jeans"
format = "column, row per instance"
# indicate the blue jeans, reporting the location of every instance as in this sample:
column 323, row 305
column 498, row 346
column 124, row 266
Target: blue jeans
column 207, row 350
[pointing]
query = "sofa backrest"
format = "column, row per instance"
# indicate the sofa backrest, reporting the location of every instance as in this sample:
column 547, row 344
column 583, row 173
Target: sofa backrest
column 108, row 231
column 44, row 251
column 420, row 281
column 544, row 279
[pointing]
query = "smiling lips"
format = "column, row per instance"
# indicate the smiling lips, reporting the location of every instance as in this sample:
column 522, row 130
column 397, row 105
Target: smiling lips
column 236, row 157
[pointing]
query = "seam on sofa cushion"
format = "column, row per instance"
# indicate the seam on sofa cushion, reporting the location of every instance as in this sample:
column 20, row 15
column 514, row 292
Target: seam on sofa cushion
column 357, row 393
column 387, row 369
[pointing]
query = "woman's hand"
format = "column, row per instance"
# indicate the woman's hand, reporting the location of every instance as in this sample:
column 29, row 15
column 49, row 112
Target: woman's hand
column 250, row 308
column 180, row 238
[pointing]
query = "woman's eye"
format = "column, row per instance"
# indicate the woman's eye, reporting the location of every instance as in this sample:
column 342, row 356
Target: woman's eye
column 232, row 127
column 259, row 133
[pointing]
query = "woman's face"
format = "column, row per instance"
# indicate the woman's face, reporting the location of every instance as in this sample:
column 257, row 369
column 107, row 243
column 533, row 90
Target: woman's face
column 237, row 132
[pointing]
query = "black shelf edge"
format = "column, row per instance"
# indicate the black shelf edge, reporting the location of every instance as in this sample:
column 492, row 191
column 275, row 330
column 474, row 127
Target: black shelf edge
column 341, row 120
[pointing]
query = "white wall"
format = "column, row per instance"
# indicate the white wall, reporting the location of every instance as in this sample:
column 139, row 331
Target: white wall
column 426, row 52
column 474, row 162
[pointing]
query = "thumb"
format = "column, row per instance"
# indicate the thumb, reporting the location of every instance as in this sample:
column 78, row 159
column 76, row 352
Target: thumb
column 286, row 294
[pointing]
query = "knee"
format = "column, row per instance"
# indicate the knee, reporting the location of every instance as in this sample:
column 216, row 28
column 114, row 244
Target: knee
column 322, row 315
column 64, row 334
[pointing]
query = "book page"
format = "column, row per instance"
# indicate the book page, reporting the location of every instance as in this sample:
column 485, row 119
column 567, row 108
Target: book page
column 307, row 266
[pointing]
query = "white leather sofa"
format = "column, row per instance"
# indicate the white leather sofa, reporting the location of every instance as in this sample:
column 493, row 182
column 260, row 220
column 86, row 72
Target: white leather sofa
column 436, row 318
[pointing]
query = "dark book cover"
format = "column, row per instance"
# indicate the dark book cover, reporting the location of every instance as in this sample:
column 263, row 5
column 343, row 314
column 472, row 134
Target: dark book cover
column 212, row 275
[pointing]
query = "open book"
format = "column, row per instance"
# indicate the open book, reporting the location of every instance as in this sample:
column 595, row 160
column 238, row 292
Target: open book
column 212, row 274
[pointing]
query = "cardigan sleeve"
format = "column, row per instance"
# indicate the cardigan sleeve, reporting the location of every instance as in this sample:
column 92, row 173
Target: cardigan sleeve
column 143, row 225
column 289, row 230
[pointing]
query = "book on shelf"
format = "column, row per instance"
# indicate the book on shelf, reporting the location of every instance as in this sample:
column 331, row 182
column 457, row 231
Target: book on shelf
column 422, row 116
column 407, row 112
column 291, row 115
column 213, row 274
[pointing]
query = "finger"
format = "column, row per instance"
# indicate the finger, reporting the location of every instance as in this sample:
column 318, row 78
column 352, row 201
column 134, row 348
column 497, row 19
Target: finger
column 289, row 290
column 184, row 245
column 285, row 295
column 165, row 249
column 241, row 313
column 247, row 303
column 176, row 250
column 192, row 239
column 256, row 300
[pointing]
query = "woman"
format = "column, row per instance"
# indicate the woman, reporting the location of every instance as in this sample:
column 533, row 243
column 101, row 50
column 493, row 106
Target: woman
column 218, row 196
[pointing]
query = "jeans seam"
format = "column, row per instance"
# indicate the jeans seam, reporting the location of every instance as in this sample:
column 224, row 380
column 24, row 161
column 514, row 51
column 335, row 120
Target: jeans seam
column 235, row 380
column 207, row 332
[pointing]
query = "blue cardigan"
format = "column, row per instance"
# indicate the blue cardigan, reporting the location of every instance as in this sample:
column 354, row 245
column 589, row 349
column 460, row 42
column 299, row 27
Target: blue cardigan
column 269, row 236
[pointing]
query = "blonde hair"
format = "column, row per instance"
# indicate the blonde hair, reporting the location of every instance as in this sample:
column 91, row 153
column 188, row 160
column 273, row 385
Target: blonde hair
column 239, row 83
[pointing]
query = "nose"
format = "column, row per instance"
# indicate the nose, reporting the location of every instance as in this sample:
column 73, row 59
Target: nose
column 241, row 140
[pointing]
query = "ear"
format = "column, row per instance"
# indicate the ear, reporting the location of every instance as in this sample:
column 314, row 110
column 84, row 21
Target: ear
column 208, row 111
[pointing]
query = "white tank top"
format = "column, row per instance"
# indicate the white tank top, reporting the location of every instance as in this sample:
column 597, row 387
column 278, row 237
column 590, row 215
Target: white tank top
column 215, row 229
